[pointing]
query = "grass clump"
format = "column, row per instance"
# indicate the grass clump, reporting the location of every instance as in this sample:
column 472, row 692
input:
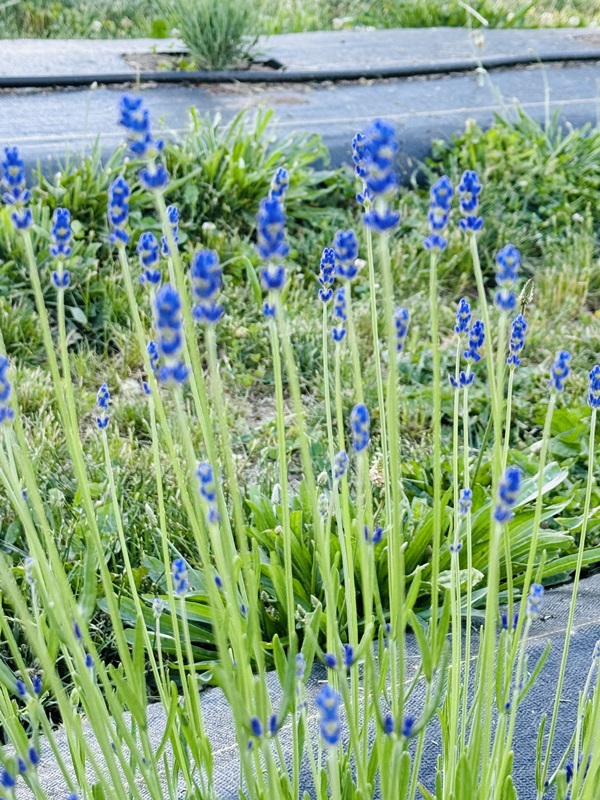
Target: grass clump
column 219, row 33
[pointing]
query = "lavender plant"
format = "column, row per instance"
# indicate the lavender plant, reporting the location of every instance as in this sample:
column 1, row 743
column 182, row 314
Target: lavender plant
column 364, row 734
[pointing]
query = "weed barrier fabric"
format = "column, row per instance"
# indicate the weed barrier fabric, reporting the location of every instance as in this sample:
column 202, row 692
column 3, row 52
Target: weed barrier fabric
column 551, row 626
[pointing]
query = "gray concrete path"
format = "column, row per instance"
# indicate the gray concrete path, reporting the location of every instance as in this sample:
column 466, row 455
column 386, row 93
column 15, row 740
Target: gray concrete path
column 50, row 124
column 305, row 51
column 47, row 124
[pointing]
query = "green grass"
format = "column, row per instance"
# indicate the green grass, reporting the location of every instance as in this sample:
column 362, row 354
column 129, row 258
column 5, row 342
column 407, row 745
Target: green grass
column 135, row 18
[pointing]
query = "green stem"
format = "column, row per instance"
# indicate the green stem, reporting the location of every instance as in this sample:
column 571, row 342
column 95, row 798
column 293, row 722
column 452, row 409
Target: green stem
column 437, row 444
column 450, row 771
column 569, row 631
column 469, row 592
column 283, row 481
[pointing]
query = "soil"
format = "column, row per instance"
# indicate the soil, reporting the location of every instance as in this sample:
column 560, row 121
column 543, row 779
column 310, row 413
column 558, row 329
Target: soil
column 183, row 62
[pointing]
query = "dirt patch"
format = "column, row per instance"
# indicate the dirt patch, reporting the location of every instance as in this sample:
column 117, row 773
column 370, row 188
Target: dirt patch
column 183, row 62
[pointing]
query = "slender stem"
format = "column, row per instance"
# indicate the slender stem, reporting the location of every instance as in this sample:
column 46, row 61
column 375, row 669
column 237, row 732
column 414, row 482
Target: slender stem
column 507, row 543
column 437, row 444
column 396, row 567
column 327, row 388
column 283, row 480
column 569, row 631
column 450, row 771
column 469, row 592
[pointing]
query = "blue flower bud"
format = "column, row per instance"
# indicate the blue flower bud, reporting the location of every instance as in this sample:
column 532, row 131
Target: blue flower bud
column 340, row 465
column 118, row 210
column 360, row 423
column 270, row 227
column 345, row 245
column 61, row 234
column 6, row 411
column 465, row 501
column 594, row 387
column 326, row 274
column 516, row 341
column 463, row 316
column 534, row 600
column 328, row 702
column 102, row 403
column 400, row 320
column 508, row 491
column 280, row 183
column 559, row 371
column 180, row 577
column 476, row 342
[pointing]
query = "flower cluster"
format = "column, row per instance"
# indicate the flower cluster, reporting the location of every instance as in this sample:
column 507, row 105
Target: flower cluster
column 508, row 261
column 504, row 620
column 207, row 279
column 464, row 379
column 463, row 316
column 345, row 246
column 375, row 537
column 173, row 218
column 271, row 230
column 102, row 403
column 328, row 702
column 516, row 341
column 508, row 491
column 340, row 465
column 179, row 574
column 118, row 210
column 135, row 118
column 326, row 274
column 465, row 501
column 534, row 600
column 208, row 490
column 559, row 370
column 280, row 183
column 365, row 198
column 61, row 233
column 271, row 245
column 401, row 318
column 340, row 313
column 359, row 143
column 148, row 252
column 469, row 190
column 16, row 192
column 153, row 354
column 360, row 423
column 169, row 330
column 594, row 387
column 476, row 342
column 440, row 201
column 380, row 150
column 6, row 412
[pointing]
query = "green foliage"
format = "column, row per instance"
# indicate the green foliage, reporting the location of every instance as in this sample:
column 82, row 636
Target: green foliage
column 93, row 19
column 158, row 18
column 219, row 174
column 219, row 33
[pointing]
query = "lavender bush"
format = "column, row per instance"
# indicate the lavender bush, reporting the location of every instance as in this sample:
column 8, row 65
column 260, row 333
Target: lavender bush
column 363, row 606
